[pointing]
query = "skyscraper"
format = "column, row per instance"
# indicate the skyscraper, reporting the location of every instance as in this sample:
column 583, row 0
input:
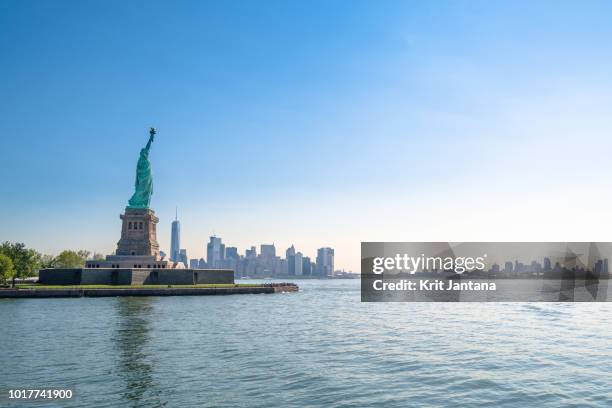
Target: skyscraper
column 231, row 258
column 231, row 253
column 267, row 250
column 298, row 264
column 250, row 262
column 251, row 253
column 202, row 263
column 183, row 257
column 175, row 239
column 268, row 259
column 306, row 266
column 325, row 262
column 215, row 253
column 290, row 255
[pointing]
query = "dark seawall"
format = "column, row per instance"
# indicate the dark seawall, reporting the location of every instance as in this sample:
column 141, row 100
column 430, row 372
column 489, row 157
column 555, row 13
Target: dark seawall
column 162, row 291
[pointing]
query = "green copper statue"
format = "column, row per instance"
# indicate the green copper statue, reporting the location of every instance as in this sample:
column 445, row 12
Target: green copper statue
column 144, row 179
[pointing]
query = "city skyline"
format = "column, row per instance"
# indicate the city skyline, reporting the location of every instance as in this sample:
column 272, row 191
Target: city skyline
column 402, row 121
column 217, row 255
column 263, row 264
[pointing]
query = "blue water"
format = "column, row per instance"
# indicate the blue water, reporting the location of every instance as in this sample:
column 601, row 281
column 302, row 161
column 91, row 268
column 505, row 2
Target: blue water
column 320, row 347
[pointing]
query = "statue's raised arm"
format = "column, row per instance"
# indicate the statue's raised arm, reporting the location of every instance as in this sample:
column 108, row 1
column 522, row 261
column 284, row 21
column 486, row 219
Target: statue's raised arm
column 152, row 132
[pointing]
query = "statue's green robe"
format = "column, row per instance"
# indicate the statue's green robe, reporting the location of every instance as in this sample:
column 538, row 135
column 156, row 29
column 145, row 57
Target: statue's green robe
column 144, row 181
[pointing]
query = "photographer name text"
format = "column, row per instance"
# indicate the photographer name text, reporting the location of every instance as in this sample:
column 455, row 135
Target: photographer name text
column 432, row 285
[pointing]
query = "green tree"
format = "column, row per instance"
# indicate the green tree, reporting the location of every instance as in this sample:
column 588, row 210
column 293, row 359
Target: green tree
column 25, row 261
column 7, row 270
column 47, row 261
column 70, row 259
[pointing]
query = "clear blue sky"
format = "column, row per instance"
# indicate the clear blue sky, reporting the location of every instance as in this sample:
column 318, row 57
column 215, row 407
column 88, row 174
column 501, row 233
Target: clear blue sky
column 313, row 123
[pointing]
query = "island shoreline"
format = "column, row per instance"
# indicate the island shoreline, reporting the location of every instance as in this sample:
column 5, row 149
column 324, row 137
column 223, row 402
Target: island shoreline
column 77, row 292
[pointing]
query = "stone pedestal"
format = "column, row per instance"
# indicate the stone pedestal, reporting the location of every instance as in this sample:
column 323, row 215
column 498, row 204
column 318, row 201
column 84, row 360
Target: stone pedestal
column 139, row 233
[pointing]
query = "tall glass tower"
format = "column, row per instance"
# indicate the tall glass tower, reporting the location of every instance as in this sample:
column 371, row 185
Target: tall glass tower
column 325, row 262
column 175, row 240
column 215, row 253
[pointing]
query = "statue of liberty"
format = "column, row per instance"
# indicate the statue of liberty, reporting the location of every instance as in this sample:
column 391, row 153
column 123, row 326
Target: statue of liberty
column 144, row 179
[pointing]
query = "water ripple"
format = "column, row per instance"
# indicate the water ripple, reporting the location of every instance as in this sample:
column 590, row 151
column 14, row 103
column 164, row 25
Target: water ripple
column 320, row 347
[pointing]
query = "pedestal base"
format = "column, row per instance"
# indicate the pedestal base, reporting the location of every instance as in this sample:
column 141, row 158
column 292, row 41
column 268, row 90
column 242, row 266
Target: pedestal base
column 139, row 233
